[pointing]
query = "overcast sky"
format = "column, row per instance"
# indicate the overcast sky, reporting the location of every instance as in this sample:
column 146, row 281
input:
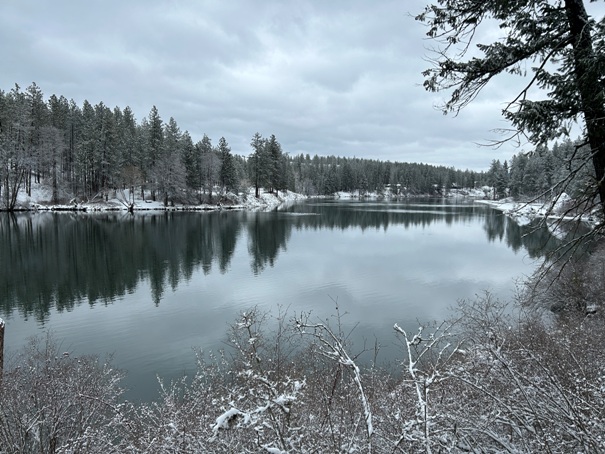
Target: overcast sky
column 326, row 77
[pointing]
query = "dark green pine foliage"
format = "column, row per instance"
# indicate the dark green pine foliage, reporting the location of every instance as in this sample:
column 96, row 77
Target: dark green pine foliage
column 143, row 158
column 73, row 133
column 107, row 158
column 228, row 174
column 155, row 148
column 85, row 151
column 171, row 171
column 348, row 180
column 518, row 164
column 498, row 178
column 57, row 159
column 88, row 151
column 544, row 173
column 259, row 166
column 36, row 144
column 210, row 166
column 273, row 164
column 130, row 172
column 192, row 164
column 284, row 180
column 555, row 46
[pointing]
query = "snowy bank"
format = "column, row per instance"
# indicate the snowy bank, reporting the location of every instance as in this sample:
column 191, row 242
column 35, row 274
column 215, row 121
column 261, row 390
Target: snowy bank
column 525, row 212
column 389, row 195
column 124, row 200
column 268, row 201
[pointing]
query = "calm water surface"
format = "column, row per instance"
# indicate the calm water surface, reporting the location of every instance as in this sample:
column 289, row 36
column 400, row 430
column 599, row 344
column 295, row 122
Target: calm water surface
column 149, row 287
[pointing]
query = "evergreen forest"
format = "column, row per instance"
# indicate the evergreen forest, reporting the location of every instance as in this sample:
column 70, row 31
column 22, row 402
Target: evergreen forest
column 86, row 152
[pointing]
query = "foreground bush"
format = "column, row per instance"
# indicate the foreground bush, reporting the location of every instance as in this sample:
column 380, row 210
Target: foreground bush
column 53, row 402
column 484, row 382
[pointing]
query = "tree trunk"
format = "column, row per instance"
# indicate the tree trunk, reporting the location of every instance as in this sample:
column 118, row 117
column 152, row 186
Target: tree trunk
column 1, row 347
column 590, row 89
column 55, row 188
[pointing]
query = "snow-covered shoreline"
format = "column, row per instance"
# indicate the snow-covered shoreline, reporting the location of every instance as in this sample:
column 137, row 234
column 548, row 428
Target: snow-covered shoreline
column 525, row 212
column 121, row 201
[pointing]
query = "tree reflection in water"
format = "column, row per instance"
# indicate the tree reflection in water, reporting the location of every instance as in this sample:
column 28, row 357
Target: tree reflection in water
column 63, row 259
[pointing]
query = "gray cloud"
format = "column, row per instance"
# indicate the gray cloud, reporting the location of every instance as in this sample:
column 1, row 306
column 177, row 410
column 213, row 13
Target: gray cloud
column 340, row 77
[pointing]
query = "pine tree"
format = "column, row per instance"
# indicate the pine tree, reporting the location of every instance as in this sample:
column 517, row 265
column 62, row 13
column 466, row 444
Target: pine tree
column 259, row 163
column 107, row 150
column 74, row 132
column 130, row 173
column 273, row 164
column 38, row 120
column 143, row 158
column 155, row 147
column 210, row 165
column 191, row 163
column 517, row 174
column 57, row 139
column 555, row 41
column 170, row 170
column 85, row 150
column 497, row 178
column 128, row 132
column 348, row 179
column 228, row 176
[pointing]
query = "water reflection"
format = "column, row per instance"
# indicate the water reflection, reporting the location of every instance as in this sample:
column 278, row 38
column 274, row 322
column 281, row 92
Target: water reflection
column 267, row 235
column 64, row 259
column 534, row 237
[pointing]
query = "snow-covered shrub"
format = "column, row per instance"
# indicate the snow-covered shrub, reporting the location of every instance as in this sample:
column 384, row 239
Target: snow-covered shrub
column 493, row 379
column 524, row 385
column 573, row 286
column 53, row 402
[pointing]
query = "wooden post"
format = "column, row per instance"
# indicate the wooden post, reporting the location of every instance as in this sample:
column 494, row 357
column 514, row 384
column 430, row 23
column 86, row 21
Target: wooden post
column 1, row 347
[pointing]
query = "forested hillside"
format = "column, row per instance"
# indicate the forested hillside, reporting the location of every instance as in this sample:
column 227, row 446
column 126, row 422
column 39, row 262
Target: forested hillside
column 83, row 152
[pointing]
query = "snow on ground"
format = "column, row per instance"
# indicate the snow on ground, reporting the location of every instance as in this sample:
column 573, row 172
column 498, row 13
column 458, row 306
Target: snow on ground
column 120, row 200
column 268, row 201
column 475, row 193
column 524, row 212
column 455, row 193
